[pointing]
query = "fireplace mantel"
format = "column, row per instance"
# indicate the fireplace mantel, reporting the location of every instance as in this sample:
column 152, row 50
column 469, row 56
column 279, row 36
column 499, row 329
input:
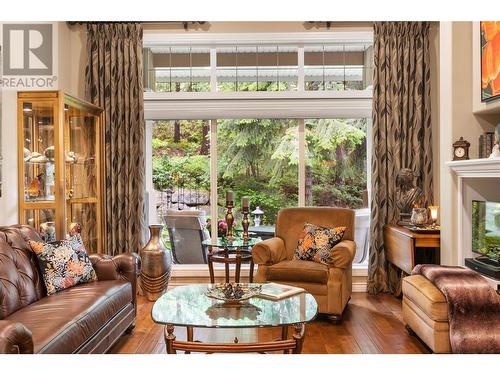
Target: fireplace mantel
column 477, row 179
column 475, row 168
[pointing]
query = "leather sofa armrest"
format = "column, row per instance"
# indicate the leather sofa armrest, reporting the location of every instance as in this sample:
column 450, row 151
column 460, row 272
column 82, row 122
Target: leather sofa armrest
column 269, row 251
column 126, row 266
column 343, row 254
column 15, row 338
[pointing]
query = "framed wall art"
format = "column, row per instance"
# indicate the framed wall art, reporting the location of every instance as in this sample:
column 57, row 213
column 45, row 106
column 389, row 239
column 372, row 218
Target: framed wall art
column 490, row 60
column 1, row 157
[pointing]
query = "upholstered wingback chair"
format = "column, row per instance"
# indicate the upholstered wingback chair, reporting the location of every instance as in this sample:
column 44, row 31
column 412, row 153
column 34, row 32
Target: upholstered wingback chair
column 331, row 285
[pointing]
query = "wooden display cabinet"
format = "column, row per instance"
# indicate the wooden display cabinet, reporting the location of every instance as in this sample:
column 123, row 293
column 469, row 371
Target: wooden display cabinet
column 60, row 166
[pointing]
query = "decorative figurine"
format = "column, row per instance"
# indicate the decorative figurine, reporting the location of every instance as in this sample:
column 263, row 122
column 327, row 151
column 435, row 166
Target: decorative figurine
column 495, row 152
column 408, row 195
column 48, row 231
column 49, row 153
column 33, row 188
column 74, row 228
column 257, row 216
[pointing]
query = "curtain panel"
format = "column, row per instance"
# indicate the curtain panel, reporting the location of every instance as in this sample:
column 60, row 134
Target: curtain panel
column 401, row 131
column 114, row 81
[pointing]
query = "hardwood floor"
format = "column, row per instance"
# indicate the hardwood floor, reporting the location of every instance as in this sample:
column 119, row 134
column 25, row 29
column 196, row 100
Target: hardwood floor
column 372, row 324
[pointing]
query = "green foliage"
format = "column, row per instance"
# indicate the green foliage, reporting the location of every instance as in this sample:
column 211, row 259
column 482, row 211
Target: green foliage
column 191, row 172
column 259, row 158
column 261, row 194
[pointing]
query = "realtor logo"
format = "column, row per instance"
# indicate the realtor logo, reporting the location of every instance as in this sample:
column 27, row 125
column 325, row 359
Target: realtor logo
column 27, row 49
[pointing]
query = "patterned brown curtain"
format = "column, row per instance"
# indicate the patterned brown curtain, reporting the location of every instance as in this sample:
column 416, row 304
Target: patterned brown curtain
column 401, row 130
column 114, row 82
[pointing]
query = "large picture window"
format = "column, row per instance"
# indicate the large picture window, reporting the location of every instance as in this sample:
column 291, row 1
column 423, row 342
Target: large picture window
column 284, row 124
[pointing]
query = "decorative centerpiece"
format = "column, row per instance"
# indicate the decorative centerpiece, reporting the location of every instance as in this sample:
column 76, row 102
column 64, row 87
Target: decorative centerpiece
column 244, row 310
column 156, row 265
column 419, row 216
column 233, row 292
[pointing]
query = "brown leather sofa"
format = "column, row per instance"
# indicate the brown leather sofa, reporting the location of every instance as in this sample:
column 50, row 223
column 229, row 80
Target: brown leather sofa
column 330, row 285
column 87, row 318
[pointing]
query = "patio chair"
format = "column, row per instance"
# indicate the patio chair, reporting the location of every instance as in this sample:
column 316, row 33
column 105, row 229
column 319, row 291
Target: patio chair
column 186, row 230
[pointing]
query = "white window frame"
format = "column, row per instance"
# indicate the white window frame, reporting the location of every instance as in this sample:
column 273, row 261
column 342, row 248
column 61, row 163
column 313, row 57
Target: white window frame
column 213, row 105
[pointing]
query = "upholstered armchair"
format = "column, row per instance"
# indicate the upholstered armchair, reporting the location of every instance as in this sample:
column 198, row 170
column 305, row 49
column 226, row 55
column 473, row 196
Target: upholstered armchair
column 331, row 285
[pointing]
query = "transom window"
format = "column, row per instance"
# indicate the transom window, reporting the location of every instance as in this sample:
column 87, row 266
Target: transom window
column 316, row 67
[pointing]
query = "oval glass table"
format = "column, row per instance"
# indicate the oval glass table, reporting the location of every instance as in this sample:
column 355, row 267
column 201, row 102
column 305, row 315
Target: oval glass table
column 188, row 306
column 230, row 251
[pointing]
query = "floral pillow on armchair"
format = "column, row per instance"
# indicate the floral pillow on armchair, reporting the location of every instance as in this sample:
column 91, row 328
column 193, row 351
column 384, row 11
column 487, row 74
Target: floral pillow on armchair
column 63, row 263
column 316, row 243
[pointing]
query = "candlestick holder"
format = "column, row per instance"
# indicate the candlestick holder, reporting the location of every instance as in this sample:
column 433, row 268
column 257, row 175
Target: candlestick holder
column 229, row 220
column 245, row 223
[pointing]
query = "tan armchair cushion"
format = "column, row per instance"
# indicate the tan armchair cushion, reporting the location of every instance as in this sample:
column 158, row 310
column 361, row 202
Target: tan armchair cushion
column 269, row 251
column 343, row 254
column 426, row 296
column 298, row 270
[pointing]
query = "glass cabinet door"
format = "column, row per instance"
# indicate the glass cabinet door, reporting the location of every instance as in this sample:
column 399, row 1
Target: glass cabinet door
column 82, row 174
column 38, row 151
column 43, row 220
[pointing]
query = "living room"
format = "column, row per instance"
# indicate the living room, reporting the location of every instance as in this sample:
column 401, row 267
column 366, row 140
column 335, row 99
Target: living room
column 250, row 184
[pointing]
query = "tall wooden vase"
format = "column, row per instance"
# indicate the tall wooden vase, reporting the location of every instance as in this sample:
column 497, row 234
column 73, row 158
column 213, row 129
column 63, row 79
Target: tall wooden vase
column 156, row 265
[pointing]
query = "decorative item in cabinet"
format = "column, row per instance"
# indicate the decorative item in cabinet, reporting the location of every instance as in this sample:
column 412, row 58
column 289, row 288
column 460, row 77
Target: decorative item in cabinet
column 60, row 169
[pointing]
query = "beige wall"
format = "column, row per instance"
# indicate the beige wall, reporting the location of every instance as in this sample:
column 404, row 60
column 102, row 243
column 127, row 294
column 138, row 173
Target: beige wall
column 456, row 120
column 70, row 78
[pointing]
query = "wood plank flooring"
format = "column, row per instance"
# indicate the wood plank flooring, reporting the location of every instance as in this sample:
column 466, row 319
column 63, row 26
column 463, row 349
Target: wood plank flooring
column 372, row 324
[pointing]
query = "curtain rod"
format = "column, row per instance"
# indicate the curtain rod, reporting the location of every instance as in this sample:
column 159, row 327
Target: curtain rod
column 184, row 23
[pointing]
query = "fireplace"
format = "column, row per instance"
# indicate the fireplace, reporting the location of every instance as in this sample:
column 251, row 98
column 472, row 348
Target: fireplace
column 477, row 180
column 485, row 223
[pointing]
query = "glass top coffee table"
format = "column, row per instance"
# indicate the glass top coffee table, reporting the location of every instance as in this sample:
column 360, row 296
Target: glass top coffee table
column 230, row 251
column 188, row 306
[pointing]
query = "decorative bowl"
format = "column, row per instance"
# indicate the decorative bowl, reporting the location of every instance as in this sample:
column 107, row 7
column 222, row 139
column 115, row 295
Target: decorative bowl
column 233, row 292
column 239, row 310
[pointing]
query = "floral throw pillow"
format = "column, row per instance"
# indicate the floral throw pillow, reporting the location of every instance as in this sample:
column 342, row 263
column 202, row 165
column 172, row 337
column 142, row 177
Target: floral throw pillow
column 316, row 243
column 63, row 263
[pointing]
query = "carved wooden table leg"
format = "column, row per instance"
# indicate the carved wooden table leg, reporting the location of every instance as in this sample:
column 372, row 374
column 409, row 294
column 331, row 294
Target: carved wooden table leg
column 226, row 265
column 284, row 332
column 189, row 330
column 170, row 338
column 238, row 266
column 251, row 270
column 298, row 335
column 210, row 265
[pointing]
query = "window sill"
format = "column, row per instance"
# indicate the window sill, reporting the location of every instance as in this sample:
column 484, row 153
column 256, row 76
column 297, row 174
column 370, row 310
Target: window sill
column 201, row 270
